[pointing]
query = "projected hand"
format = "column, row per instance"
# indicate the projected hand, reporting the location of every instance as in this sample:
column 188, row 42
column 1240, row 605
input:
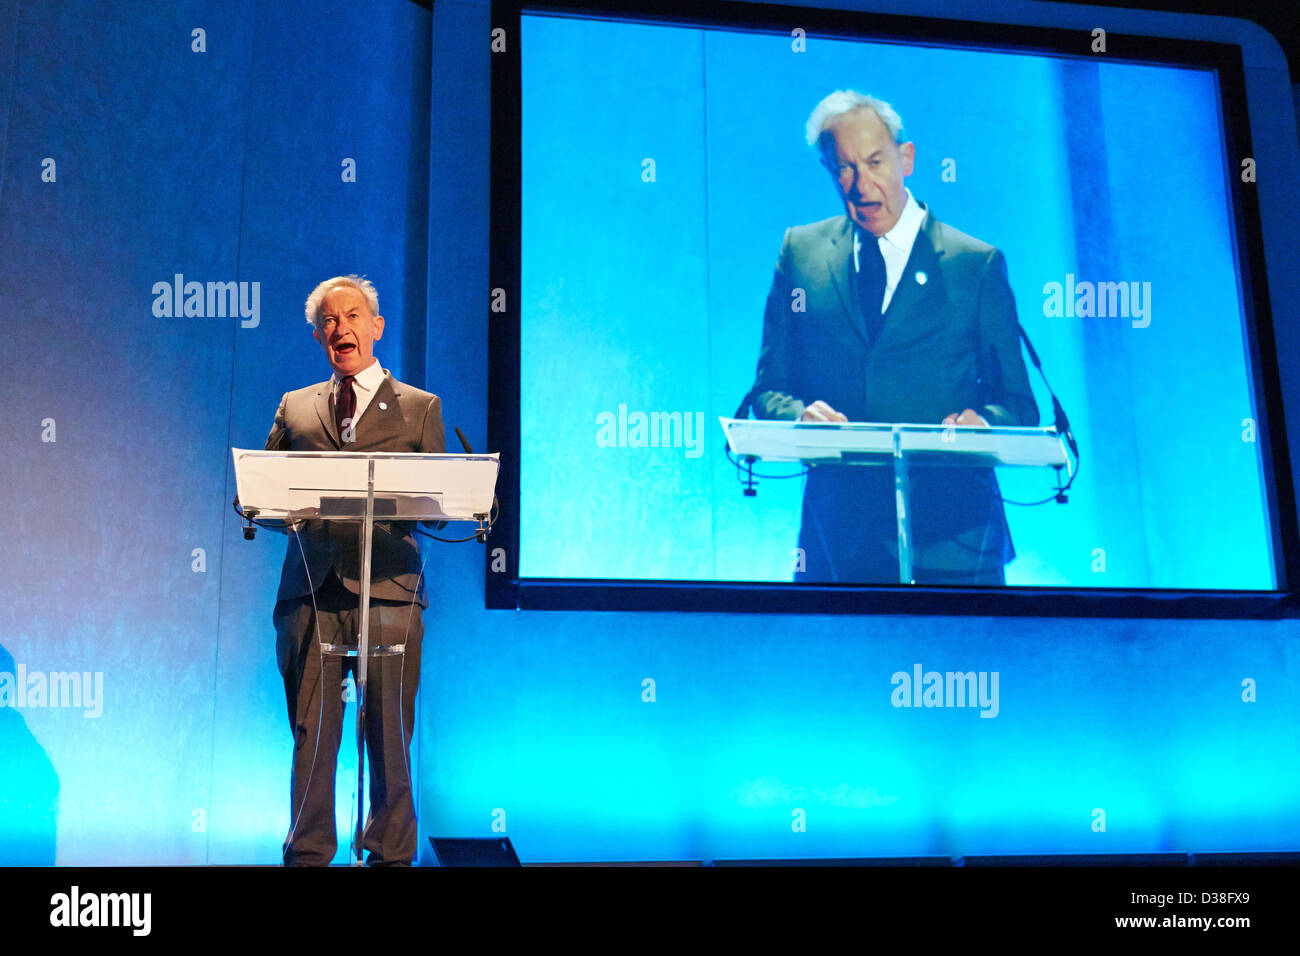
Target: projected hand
column 968, row 417
column 819, row 411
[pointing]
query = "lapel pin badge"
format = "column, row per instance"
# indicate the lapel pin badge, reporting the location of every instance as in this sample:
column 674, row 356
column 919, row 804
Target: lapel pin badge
column 383, row 406
column 922, row 278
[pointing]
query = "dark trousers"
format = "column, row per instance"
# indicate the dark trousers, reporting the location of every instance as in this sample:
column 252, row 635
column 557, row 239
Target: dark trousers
column 849, row 530
column 313, row 691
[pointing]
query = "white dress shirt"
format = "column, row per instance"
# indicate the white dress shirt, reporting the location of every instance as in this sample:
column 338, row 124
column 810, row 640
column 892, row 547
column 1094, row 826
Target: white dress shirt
column 895, row 245
column 364, row 384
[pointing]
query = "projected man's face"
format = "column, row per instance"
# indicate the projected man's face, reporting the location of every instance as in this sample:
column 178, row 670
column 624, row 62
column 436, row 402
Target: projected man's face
column 348, row 331
column 868, row 168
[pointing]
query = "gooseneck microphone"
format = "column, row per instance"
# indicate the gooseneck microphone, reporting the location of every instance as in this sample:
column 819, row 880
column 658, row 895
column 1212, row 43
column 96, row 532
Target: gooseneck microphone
column 1062, row 421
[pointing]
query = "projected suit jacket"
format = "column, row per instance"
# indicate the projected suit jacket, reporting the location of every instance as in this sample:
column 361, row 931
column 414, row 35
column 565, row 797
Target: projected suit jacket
column 399, row 417
column 948, row 341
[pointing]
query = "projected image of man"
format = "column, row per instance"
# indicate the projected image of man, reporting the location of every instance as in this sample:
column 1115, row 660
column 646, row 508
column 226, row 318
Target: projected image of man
column 886, row 314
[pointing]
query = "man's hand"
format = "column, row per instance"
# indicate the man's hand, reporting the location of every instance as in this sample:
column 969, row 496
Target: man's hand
column 968, row 417
column 819, row 411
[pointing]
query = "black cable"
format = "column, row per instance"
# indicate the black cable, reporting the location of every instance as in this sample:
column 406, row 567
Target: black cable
column 262, row 524
column 744, row 473
column 287, row 527
column 741, row 474
column 492, row 518
column 1055, row 497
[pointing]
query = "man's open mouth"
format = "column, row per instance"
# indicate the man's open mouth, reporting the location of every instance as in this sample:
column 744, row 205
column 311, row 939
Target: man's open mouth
column 343, row 348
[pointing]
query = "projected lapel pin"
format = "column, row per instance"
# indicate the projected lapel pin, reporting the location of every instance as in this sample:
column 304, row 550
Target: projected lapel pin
column 922, row 278
column 383, row 406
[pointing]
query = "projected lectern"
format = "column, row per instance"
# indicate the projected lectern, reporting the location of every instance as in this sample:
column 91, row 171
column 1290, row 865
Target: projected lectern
column 362, row 487
column 899, row 445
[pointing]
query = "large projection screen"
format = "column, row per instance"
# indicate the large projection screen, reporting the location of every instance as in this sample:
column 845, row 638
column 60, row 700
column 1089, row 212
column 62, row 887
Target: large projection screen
column 661, row 165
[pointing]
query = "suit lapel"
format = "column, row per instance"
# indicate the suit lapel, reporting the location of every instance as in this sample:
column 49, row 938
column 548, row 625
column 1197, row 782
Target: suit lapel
column 325, row 409
column 844, row 277
column 373, row 417
column 921, row 279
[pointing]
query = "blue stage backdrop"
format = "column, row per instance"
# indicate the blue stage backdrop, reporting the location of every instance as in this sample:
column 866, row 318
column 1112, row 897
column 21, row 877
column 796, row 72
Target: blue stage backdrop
column 271, row 145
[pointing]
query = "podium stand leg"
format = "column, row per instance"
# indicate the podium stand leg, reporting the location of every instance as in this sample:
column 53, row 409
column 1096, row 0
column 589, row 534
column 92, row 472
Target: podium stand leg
column 901, row 509
column 363, row 660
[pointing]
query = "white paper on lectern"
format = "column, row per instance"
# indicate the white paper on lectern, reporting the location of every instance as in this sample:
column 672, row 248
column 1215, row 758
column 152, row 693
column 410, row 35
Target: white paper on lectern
column 425, row 486
column 952, row 444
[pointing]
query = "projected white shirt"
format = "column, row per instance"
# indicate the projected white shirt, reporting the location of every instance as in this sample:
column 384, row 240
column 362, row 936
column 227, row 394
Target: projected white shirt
column 895, row 245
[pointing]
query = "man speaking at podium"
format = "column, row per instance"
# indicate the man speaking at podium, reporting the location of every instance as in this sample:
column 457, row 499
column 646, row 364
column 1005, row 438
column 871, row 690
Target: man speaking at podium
column 361, row 408
column 886, row 314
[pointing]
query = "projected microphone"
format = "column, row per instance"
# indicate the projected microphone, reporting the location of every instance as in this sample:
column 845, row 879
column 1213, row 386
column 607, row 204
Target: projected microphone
column 1062, row 420
column 743, row 411
column 746, row 406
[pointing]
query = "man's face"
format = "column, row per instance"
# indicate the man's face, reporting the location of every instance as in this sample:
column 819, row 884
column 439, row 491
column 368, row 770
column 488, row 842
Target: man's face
column 868, row 168
column 347, row 330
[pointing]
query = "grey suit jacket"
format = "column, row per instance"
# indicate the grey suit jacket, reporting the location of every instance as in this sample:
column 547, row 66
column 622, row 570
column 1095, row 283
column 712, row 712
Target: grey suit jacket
column 399, row 417
column 948, row 341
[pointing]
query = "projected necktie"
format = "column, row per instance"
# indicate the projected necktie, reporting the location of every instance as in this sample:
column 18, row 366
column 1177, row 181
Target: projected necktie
column 871, row 284
column 345, row 407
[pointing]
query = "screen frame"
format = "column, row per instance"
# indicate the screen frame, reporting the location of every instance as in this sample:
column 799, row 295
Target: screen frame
column 505, row 589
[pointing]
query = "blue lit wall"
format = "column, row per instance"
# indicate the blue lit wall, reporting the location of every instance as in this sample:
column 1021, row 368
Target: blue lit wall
column 221, row 165
column 226, row 165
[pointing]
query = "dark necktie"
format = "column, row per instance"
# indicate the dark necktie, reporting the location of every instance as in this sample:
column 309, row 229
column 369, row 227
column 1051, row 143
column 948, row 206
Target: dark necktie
column 345, row 407
column 871, row 284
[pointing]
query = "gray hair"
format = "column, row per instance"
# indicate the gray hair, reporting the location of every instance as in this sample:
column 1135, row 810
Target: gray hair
column 360, row 283
column 830, row 109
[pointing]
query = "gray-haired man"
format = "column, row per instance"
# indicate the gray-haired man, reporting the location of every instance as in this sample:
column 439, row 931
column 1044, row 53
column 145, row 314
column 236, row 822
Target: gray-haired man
column 901, row 319
column 361, row 408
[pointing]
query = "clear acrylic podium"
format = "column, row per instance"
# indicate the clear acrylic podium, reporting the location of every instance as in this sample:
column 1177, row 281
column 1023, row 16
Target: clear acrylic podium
column 362, row 487
column 896, row 444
